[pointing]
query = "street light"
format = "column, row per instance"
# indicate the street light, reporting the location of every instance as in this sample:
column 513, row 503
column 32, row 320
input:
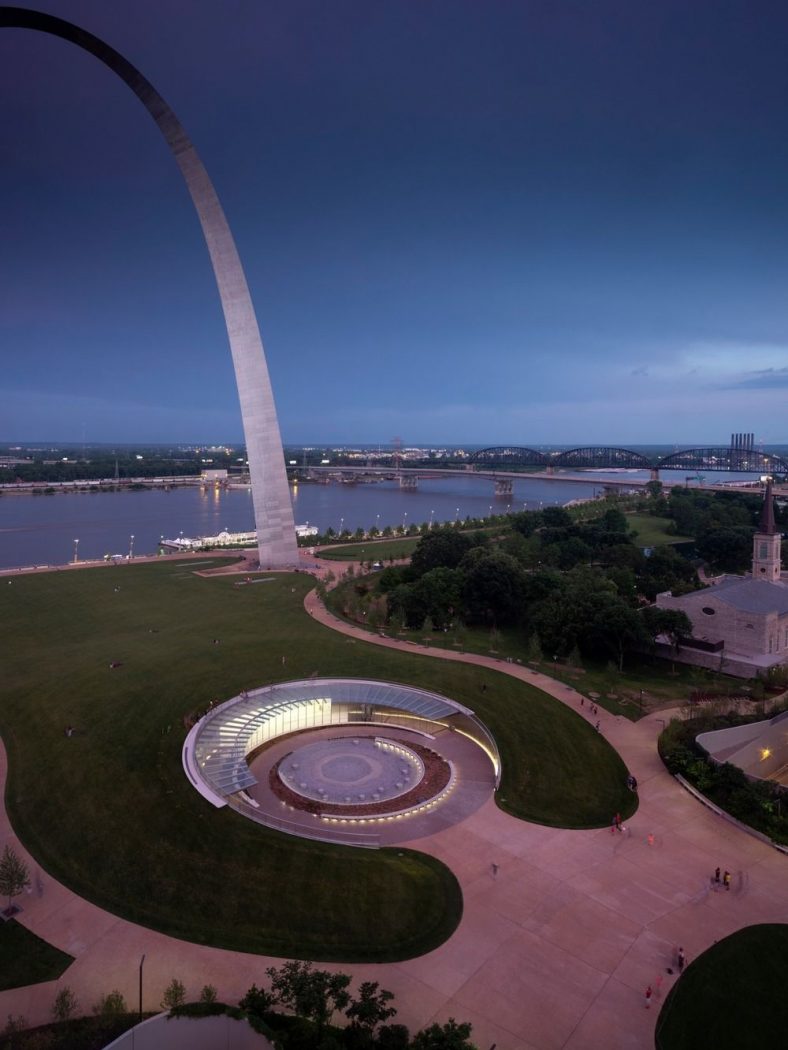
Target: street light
column 76, row 551
column 341, row 523
column 377, row 522
column 404, row 520
column 142, row 960
column 432, row 515
column 131, row 546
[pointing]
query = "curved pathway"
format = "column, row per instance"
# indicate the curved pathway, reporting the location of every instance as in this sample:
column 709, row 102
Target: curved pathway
column 555, row 950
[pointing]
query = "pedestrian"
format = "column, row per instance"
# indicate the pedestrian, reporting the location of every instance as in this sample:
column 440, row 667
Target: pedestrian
column 717, row 876
column 618, row 821
column 613, row 826
column 648, row 993
column 726, row 880
column 597, row 727
column 634, row 784
column 650, row 838
column 582, row 698
column 494, row 868
column 681, row 959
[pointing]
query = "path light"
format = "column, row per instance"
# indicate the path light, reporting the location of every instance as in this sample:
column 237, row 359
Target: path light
column 432, row 515
column 131, row 546
column 76, row 551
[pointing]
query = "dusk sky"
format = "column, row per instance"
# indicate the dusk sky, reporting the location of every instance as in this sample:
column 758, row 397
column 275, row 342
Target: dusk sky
column 469, row 221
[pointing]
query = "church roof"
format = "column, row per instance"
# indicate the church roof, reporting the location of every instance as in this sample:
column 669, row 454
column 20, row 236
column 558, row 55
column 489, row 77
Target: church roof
column 766, row 525
column 742, row 592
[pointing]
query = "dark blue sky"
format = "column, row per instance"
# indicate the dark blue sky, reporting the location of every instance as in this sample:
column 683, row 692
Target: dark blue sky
column 462, row 221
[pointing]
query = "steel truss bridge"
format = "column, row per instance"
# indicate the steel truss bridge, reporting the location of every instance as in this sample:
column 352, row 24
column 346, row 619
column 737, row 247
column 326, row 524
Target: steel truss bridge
column 512, row 457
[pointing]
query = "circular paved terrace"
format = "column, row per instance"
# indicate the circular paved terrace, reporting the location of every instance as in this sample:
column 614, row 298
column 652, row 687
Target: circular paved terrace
column 217, row 752
column 351, row 771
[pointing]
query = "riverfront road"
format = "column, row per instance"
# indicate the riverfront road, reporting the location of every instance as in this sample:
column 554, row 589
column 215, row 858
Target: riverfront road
column 554, row 951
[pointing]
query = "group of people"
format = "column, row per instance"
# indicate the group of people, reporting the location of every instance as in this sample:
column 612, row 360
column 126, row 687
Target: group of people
column 725, row 879
column 632, row 783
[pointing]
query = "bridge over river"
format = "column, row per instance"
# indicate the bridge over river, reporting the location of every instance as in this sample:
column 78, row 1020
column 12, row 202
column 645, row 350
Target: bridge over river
column 505, row 464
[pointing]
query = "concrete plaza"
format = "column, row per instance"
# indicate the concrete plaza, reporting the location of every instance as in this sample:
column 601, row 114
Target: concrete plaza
column 556, row 946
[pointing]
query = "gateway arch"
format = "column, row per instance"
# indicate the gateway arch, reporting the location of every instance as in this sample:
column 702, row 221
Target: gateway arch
column 270, row 493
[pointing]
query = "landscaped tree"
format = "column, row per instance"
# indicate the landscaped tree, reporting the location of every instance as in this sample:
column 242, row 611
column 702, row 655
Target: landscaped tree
column 371, row 1008
column 65, row 1005
column 110, row 1005
column 673, row 623
column 441, row 548
column 257, row 1001
column 174, row 995
column 449, row 1036
column 313, row 994
column 13, row 875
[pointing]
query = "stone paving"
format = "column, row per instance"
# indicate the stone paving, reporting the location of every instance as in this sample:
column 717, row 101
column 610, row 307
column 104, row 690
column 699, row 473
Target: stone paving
column 556, row 945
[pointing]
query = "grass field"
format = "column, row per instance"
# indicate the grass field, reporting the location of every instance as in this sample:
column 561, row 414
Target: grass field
column 372, row 550
column 652, row 532
column 732, row 997
column 110, row 813
column 26, row 959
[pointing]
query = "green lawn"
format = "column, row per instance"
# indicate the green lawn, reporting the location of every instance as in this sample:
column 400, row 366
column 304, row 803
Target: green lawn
column 26, row 959
column 732, row 997
column 372, row 550
column 109, row 810
column 652, row 531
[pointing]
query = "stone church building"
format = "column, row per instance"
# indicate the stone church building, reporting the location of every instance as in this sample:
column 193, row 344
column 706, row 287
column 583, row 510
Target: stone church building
column 740, row 623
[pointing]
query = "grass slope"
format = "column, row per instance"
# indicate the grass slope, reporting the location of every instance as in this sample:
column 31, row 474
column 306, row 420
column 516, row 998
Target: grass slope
column 732, row 996
column 26, row 959
column 110, row 813
column 652, row 531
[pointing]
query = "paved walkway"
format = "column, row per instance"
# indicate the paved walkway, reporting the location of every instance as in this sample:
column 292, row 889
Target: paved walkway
column 555, row 950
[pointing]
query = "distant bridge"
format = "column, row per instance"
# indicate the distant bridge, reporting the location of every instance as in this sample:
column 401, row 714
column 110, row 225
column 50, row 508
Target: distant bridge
column 745, row 460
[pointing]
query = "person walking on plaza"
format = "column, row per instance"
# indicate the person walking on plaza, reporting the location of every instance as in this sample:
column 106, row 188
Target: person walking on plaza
column 726, row 880
column 681, row 959
column 648, row 993
column 717, row 876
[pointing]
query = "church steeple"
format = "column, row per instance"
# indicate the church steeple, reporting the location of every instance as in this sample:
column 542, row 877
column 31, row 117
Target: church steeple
column 766, row 542
column 766, row 526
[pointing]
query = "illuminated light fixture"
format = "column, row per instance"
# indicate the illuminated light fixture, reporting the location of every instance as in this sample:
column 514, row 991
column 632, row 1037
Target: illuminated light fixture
column 765, row 752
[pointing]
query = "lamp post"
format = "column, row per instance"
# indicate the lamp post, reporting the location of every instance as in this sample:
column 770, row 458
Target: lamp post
column 341, row 523
column 489, row 512
column 404, row 521
column 457, row 515
column 131, row 546
column 76, row 551
column 432, row 515
column 377, row 523
column 142, row 961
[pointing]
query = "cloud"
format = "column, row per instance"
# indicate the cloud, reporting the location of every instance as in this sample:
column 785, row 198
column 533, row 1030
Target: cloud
column 763, row 379
column 641, row 371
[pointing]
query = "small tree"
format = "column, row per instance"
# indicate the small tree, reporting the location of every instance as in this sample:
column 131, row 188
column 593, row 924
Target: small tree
column 13, row 875
column 310, row 993
column 371, row 1007
column 257, row 1001
column 208, row 994
column 65, row 1005
column 110, row 1005
column 174, row 995
column 449, row 1036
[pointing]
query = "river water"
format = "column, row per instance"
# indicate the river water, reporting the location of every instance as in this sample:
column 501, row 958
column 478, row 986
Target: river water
column 42, row 530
